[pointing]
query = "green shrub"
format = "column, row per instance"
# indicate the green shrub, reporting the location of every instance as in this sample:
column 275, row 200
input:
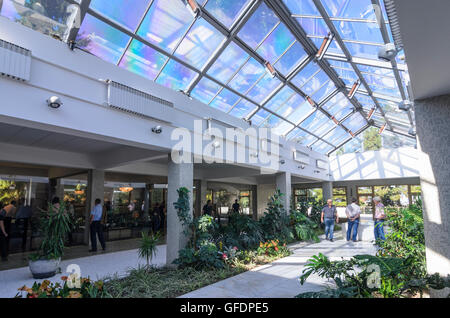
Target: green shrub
column 303, row 227
column 148, row 246
column 275, row 222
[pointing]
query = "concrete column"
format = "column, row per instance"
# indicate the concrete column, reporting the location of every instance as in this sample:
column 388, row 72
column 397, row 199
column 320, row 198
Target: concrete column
column 263, row 193
column 327, row 190
column 351, row 193
column 95, row 190
column 284, row 185
column 180, row 175
column 433, row 133
column 254, row 202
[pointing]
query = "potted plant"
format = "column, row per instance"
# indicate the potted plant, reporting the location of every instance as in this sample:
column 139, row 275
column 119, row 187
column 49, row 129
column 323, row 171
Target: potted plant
column 55, row 224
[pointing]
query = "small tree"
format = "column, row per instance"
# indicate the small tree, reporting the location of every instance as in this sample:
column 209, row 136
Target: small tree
column 148, row 246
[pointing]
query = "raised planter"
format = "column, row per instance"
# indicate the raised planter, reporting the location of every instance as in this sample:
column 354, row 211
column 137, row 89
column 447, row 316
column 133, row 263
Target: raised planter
column 117, row 234
column 44, row 268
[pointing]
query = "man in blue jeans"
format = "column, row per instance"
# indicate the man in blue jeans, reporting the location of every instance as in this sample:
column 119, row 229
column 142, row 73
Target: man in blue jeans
column 353, row 212
column 329, row 214
column 96, row 226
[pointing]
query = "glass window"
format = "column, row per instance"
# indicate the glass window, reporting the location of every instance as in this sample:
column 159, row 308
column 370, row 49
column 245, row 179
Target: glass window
column 336, row 136
column 305, row 74
column 166, row 23
column 101, row 39
column 263, row 88
column 125, row 12
column 259, row 117
column 363, row 50
column 359, row 31
column 258, row 26
column 143, row 60
column 339, row 106
column 365, row 196
column 318, row 123
column 314, row 26
column 49, row 18
column 393, row 195
column 225, row 100
column 300, row 136
column 292, row 58
column 355, row 122
column 205, row 90
column 334, row 47
column 176, row 76
column 247, row 76
column 357, row 9
column 276, row 43
column 280, row 98
column 226, row 11
column 303, row 7
column 340, row 196
column 231, row 59
column 322, row 147
column 200, row 42
column 243, row 109
column 302, row 109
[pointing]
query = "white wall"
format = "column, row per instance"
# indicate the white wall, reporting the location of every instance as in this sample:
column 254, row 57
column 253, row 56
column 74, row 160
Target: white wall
column 383, row 164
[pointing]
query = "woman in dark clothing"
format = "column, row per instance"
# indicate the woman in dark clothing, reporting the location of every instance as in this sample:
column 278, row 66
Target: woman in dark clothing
column 155, row 218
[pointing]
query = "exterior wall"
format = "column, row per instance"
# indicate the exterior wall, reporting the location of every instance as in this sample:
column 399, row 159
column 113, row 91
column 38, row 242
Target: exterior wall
column 432, row 120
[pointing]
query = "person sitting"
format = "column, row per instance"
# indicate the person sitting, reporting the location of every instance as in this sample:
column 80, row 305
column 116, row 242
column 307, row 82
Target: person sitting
column 353, row 212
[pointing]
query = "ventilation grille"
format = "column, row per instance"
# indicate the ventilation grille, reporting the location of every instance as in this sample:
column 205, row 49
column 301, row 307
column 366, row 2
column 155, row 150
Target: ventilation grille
column 393, row 22
column 132, row 100
column 15, row 61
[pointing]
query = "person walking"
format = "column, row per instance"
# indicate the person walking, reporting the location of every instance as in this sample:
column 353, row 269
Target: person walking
column 328, row 216
column 353, row 212
column 156, row 222
column 3, row 234
column 379, row 217
column 10, row 212
column 236, row 207
column 23, row 216
column 208, row 208
column 96, row 226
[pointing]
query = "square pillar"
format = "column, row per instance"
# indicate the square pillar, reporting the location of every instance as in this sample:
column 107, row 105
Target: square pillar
column 284, row 185
column 327, row 190
column 180, row 175
column 433, row 133
column 95, row 190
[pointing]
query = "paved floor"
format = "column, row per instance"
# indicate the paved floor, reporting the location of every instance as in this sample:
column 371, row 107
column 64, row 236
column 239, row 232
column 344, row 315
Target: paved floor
column 280, row 278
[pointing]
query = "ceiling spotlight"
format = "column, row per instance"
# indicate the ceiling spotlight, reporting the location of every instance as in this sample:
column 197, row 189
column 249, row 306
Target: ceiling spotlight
column 254, row 155
column 405, row 105
column 282, row 161
column 412, row 131
column 157, row 129
column 302, row 167
column 54, row 102
column 216, row 144
column 388, row 52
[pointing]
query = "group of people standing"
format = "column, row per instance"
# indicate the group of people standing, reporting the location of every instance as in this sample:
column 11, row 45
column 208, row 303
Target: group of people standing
column 22, row 215
column 353, row 211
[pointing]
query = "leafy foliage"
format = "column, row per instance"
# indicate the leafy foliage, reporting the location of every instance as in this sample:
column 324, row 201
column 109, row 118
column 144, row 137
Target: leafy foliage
column 303, row 227
column 148, row 246
column 46, row 289
column 275, row 222
column 55, row 224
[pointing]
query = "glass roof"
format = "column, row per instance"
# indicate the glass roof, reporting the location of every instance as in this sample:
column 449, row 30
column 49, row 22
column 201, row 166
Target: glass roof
column 219, row 58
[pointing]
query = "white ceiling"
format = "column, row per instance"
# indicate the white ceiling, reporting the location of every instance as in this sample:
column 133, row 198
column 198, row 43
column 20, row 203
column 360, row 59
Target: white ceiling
column 425, row 30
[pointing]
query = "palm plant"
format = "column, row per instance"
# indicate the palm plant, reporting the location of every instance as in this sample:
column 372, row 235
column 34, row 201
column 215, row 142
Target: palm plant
column 55, row 224
column 148, row 246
